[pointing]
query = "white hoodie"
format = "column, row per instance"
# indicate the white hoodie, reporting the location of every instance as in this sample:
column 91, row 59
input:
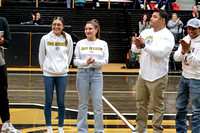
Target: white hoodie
column 55, row 55
column 190, row 62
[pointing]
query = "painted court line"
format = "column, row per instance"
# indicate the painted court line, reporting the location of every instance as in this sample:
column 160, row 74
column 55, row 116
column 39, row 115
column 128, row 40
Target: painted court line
column 119, row 114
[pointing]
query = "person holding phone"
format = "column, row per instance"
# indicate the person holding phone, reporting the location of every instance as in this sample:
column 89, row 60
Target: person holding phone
column 5, row 42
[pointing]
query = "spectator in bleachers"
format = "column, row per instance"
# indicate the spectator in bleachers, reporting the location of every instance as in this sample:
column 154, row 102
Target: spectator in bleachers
column 167, row 5
column 37, row 20
column 162, row 4
column 96, row 4
column 153, row 4
column 158, row 3
column 195, row 13
column 140, row 4
column 174, row 5
column 79, row 3
column 68, row 3
column 144, row 23
column 175, row 25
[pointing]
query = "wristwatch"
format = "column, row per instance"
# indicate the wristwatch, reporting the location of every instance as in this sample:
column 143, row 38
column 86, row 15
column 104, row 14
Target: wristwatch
column 143, row 45
column 189, row 52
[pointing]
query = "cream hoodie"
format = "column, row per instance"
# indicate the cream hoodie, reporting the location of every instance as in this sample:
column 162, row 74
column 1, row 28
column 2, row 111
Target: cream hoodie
column 55, row 55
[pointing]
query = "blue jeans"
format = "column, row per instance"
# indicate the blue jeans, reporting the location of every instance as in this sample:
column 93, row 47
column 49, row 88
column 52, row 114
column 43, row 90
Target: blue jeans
column 90, row 80
column 60, row 83
column 188, row 89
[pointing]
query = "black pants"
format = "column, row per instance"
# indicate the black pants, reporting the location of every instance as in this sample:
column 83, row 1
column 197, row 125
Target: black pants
column 4, row 103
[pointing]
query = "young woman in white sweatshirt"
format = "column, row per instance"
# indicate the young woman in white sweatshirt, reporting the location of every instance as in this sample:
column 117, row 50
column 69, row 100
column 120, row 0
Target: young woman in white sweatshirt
column 55, row 54
column 90, row 55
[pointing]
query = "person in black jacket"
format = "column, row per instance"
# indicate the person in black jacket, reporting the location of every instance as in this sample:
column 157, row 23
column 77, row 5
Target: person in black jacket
column 5, row 41
column 37, row 20
column 195, row 13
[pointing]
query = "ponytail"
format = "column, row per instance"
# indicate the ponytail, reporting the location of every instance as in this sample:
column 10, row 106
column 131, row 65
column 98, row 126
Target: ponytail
column 63, row 33
column 95, row 23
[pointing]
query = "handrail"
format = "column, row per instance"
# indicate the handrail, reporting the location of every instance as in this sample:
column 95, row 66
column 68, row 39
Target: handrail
column 36, row 4
column 108, row 4
column 73, row 3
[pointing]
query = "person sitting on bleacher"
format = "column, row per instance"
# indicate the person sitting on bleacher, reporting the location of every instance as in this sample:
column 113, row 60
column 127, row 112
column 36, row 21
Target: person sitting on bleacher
column 160, row 4
column 79, row 3
column 195, row 13
column 144, row 23
column 37, row 20
column 140, row 3
column 175, row 25
column 167, row 5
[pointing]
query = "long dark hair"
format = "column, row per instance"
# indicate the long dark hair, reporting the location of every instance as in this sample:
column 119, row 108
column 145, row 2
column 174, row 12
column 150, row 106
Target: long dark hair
column 63, row 22
column 95, row 23
column 148, row 19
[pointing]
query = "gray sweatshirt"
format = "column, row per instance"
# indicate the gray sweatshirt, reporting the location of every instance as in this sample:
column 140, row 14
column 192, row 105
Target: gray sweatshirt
column 173, row 26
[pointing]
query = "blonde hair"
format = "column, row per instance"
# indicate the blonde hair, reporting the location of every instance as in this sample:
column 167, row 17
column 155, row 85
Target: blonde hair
column 175, row 14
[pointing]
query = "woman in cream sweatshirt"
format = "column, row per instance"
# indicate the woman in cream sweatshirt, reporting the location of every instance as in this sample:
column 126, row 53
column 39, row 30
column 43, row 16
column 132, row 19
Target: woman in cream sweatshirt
column 55, row 54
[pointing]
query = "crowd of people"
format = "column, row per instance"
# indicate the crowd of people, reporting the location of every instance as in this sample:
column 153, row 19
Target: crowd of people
column 156, row 40
column 174, row 24
column 153, row 4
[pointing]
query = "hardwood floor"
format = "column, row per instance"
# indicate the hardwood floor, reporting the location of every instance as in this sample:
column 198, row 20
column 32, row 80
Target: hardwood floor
column 26, row 96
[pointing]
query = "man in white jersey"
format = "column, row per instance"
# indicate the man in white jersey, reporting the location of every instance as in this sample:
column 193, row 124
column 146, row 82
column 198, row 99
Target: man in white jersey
column 156, row 45
column 189, row 85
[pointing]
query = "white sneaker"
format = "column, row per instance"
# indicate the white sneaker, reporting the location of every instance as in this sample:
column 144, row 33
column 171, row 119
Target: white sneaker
column 156, row 6
column 49, row 129
column 139, row 132
column 141, row 6
column 60, row 130
column 97, row 4
column 148, row 7
column 145, row 131
column 163, row 7
column 7, row 127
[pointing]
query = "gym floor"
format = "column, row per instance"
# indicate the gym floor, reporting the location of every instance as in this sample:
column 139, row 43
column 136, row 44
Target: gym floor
column 26, row 96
